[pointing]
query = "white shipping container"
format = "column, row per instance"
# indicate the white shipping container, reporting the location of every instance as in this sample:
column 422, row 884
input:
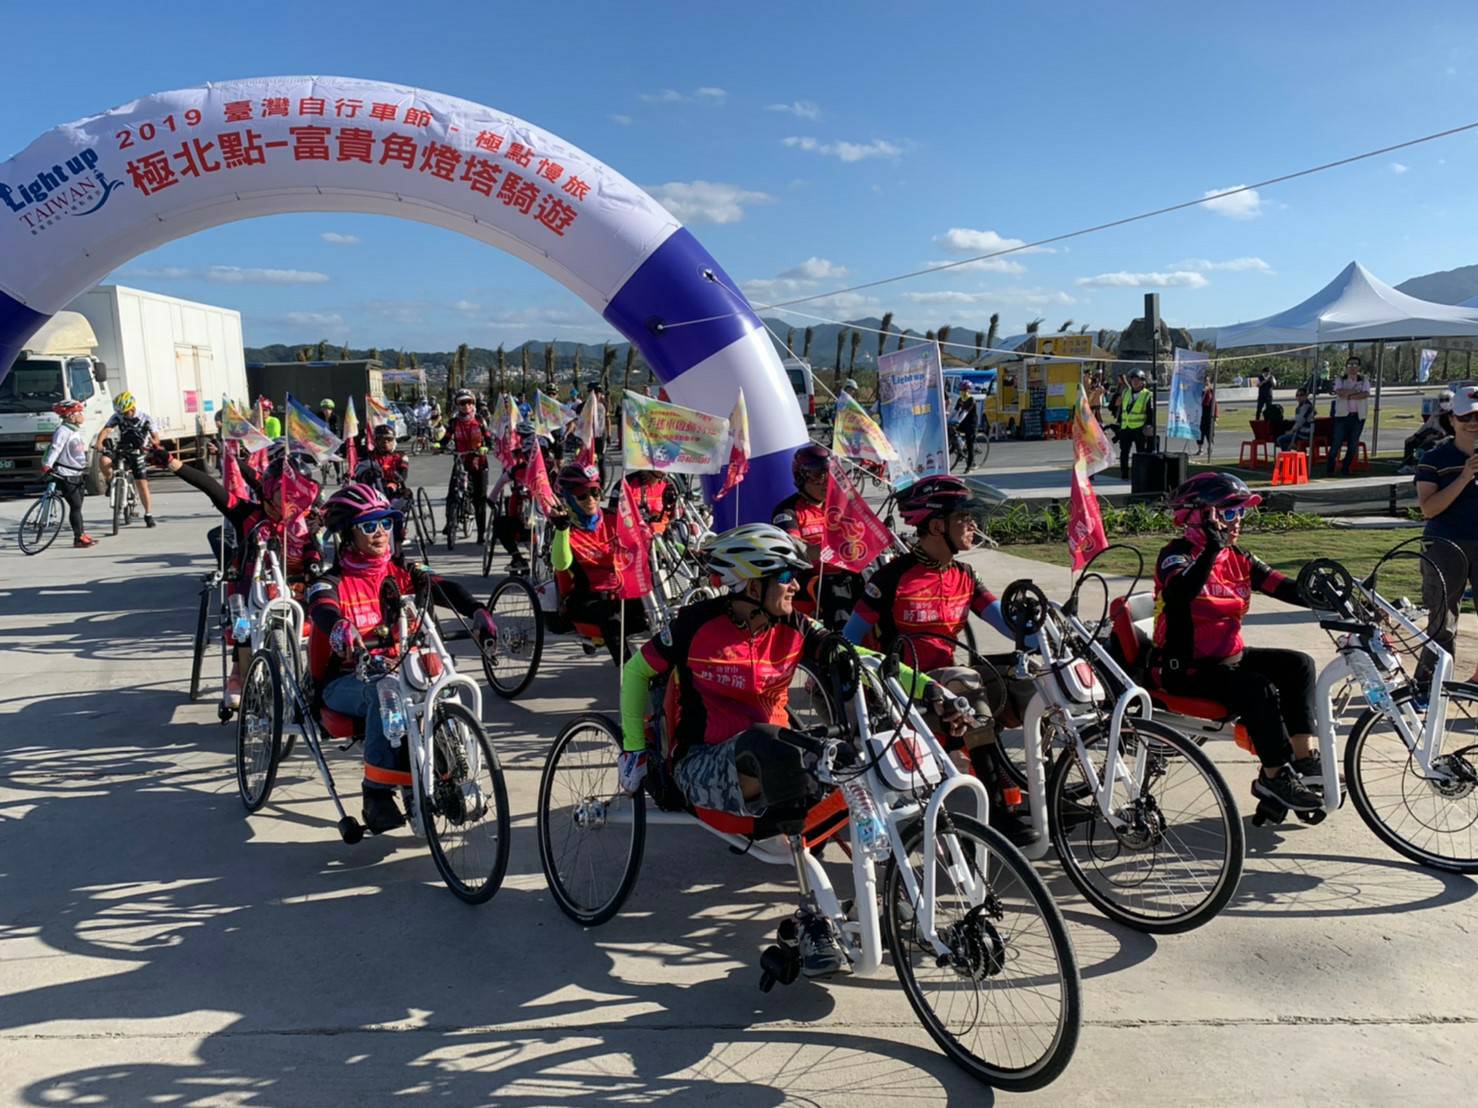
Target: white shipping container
column 180, row 359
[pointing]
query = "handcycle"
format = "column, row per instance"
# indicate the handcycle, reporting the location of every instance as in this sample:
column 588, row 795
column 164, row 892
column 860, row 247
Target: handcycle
column 43, row 520
column 1141, row 819
column 978, row 945
column 459, row 508
column 123, row 497
column 457, row 799
column 1411, row 756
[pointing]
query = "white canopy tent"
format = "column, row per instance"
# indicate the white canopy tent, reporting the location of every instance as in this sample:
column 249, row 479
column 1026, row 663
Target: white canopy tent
column 1356, row 306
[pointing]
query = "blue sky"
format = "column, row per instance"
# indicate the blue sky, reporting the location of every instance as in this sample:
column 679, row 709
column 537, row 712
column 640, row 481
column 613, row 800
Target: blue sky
column 814, row 146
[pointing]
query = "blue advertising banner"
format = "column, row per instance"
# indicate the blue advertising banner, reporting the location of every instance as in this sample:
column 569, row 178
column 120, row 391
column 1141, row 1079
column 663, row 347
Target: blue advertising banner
column 1187, row 385
column 911, row 403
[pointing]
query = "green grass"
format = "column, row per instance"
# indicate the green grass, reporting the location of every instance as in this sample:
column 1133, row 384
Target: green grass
column 1357, row 550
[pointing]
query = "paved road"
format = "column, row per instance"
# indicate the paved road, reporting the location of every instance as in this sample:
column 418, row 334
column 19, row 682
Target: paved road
column 157, row 946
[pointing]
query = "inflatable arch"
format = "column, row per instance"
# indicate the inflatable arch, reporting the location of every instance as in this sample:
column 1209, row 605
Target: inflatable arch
column 87, row 197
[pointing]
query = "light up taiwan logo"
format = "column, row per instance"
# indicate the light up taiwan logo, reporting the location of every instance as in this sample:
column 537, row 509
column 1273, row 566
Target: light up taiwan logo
column 75, row 187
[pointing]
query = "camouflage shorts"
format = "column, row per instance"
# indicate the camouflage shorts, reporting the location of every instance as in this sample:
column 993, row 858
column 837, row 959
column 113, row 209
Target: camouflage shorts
column 708, row 775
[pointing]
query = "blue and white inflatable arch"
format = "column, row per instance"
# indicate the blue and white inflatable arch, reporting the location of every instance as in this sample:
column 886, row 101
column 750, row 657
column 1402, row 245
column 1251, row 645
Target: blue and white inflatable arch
column 89, row 196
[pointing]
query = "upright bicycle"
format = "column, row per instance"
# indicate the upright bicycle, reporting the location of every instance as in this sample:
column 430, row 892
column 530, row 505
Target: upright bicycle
column 123, row 497
column 43, row 520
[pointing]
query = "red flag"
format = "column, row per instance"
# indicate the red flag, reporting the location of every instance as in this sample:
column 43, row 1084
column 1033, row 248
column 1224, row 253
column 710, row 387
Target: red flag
column 536, row 477
column 586, row 455
column 854, row 534
column 236, row 490
column 1085, row 537
column 351, row 457
column 633, row 560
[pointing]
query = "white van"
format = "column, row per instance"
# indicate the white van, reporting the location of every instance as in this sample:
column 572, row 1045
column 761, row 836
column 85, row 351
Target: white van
column 804, row 384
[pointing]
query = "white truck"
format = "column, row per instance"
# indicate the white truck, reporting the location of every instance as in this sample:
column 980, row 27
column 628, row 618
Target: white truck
column 177, row 357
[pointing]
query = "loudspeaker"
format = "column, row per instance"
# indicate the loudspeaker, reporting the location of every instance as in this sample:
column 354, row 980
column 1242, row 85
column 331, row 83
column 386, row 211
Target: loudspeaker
column 1156, row 474
column 1152, row 314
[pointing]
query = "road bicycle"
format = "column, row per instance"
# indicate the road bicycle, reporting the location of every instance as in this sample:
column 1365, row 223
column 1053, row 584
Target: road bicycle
column 976, row 941
column 457, row 799
column 123, row 496
column 459, row 508
column 421, row 438
column 43, row 520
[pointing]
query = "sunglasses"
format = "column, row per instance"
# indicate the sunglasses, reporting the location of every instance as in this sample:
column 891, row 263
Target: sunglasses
column 586, row 494
column 1231, row 515
column 467, row 403
column 371, row 527
column 1468, row 418
column 784, row 577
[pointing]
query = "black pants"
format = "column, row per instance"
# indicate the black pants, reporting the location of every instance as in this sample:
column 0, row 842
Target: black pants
column 1136, row 441
column 1271, row 690
column 1442, row 595
column 604, row 611
column 71, row 492
column 967, row 432
column 1346, row 432
column 511, row 534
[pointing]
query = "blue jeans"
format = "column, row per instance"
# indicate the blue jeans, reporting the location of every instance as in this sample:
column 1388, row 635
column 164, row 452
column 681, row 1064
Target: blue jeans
column 385, row 767
column 1347, row 429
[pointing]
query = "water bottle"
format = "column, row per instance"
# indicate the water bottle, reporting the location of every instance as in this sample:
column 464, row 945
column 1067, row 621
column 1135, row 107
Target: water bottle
column 392, row 718
column 870, row 834
column 240, row 622
column 1374, row 686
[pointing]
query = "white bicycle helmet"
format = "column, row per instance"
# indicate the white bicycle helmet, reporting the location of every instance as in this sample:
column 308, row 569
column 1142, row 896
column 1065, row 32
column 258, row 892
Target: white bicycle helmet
column 752, row 551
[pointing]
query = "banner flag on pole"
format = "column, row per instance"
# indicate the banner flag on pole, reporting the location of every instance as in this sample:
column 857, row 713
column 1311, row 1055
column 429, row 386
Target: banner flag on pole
column 236, row 488
column 298, row 493
column 854, row 534
column 855, row 435
column 377, row 414
column 536, row 478
column 306, row 428
column 911, row 406
column 1085, row 537
column 738, row 447
column 1424, row 368
column 550, row 416
column 237, row 427
column 1187, row 384
column 351, row 433
column 670, row 438
column 632, row 557
column 1091, row 446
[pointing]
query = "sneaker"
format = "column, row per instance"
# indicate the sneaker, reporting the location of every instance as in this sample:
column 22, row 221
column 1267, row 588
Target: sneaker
column 1311, row 771
column 149, row 522
column 1286, row 789
column 820, row 954
column 381, row 813
column 519, row 567
column 84, row 541
column 1015, row 826
column 233, row 689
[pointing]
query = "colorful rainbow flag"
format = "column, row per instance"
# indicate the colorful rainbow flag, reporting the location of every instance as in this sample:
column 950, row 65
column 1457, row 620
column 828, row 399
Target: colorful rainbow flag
column 302, row 426
column 351, row 433
column 238, row 427
column 670, row 438
column 855, row 435
column 377, row 413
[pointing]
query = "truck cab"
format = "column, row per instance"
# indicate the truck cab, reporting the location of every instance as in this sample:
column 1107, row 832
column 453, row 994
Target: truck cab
column 57, row 364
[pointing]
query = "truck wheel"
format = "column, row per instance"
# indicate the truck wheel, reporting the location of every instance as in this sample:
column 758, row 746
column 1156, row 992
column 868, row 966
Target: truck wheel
column 92, row 482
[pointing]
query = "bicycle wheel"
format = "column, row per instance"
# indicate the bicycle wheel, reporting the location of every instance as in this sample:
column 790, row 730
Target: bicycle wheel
column 514, row 658
column 120, row 494
column 1179, row 860
column 202, row 639
column 425, row 512
column 591, row 834
column 982, row 450
column 1432, row 822
column 41, row 524
column 1006, row 1002
column 810, row 702
column 290, row 665
column 453, row 514
column 487, row 552
column 466, row 814
column 130, row 504
column 259, row 730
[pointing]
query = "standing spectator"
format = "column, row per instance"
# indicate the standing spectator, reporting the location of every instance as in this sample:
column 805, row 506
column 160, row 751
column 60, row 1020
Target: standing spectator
column 1301, row 433
column 1351, row 395
column 1136, row 421
column 329, row 416
column 1210, row 413
column 969, row 421
column 1265, row 383
column 1437, row 427
column 1447, row 491
column 1097, row 398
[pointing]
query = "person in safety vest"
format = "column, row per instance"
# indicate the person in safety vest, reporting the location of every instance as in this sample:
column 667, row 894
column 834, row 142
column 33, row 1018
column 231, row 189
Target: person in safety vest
column 354, row 608
column 1203, row 588
column 583, row 553
column 927, row 594
column 733, row 657
column 803, row 517
column 1136, row 421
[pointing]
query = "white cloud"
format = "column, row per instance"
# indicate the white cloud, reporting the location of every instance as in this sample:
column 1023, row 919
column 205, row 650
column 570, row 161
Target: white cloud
column 315, row 319
column 160, row 273
column 705, row 95
column 333, row 238
column 846, row 151
column 1033, row 296
column 815, row 269
column 804, row 109
column 1233, row 204
column 980, row 265
column 711, row 94
column 466, row 307
column 966, row 240
column 1231, row 265
column 621, row 120
column 707, row 201
column 1398, row 168
column 233, row 275
column 666, row 96
column 1180, row 278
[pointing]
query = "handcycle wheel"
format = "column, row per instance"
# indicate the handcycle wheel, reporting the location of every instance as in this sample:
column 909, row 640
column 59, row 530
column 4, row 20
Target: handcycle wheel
column 41, row 524
column 1434, row 823
column 1006, row 1002
column 591, row 834
column 202, row 639
column 290, row 665
column 466, row 815
column 1180, row 860
column 259, row 730
column 810, row 702
column 515, row 656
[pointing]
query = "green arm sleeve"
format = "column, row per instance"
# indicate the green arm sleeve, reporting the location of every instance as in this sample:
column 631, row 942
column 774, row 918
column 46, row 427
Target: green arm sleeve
column 560, row 553
column 912, row 681
column 636, row 683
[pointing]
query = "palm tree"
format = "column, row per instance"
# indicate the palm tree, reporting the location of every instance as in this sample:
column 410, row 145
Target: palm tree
column 303, row 354
column 549, row 366
column 836, row 380
column 929, row 336
column 607, row 361
column 459, row 365
column 502, row 369
column 790, row 342
column 979, row 343
column 523, row 383
column 856, row 342
column 943, row 339
column 900, row 341
column 1066, row 326
column 343, row 353
column 399, row 359
column 374, row 354
column 1083, row 330
column 806, row 347
column 883, row 329
column 993, row 332
column 1035, row 325
column 578, row 348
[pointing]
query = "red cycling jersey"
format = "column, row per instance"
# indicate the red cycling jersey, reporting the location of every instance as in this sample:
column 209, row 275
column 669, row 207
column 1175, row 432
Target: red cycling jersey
column 805, row 520
column 394, row 468
column 915, row 596
column 594, row 568
column 468, row 435
column 1201, row 595
column 730, row 678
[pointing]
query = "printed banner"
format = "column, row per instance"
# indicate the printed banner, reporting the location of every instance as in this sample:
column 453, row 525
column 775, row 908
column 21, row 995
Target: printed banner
column 1187, row 386
column 311, row 432
column 1424, row 367
column 377, row 414
column 1085, row 537
column 911, row 395
column 632, row 556
column 237, row 427
column 854, row 534
column 670, row 438
column 549, row 416
column 1091, row 445
column 738, row 447
column 855, row 435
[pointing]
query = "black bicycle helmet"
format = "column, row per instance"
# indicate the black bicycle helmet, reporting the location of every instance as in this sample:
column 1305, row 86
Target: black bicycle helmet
column 931, row 497
column 809, row 461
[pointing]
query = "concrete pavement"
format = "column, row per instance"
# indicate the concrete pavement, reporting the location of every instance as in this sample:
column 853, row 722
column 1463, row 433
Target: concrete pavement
column 159, row 946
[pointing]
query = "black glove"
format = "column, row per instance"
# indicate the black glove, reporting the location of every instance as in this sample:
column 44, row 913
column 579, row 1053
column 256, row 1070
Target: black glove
column 561, row 521
column 1216, row 538
column 159, row 457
